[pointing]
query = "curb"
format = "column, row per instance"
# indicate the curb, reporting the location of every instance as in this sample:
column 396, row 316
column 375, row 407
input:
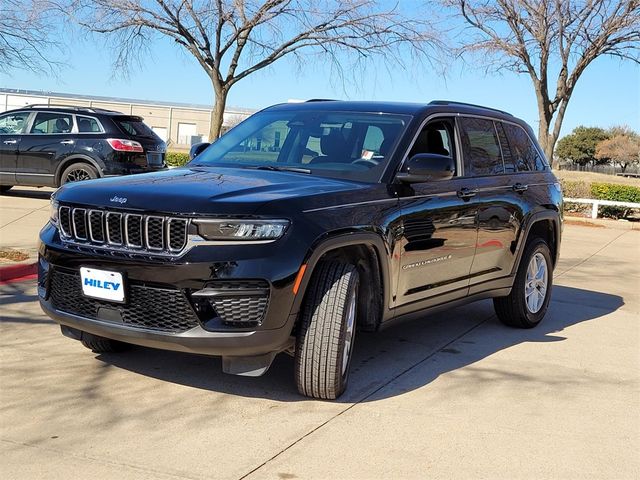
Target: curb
column 601, row 222
column 9, row 273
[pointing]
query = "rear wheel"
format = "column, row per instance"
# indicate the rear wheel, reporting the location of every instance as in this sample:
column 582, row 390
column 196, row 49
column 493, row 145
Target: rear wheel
column 100, row 344
column 5, row 188
column 77, row 172
column 327, row 331
column 527, row 304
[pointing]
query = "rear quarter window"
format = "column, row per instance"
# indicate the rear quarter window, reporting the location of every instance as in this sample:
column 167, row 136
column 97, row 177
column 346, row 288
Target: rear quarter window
column 524, row 153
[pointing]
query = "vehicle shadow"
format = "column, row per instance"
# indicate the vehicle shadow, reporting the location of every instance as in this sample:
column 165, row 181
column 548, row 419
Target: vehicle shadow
column 401, row 358
column 43, row 193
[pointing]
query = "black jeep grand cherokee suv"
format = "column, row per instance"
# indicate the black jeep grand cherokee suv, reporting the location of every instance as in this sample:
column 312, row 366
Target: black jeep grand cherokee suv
column 302, row 225
column 50, row 145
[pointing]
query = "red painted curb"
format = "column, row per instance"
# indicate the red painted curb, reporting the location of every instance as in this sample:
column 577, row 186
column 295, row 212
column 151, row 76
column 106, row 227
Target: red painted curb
column 14, row 272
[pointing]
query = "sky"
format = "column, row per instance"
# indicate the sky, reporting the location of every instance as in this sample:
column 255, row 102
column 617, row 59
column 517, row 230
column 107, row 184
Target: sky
column 607, row 94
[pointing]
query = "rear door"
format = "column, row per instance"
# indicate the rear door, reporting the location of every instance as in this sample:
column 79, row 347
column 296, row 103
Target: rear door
column 499, row 206
column 12, row 125
column 50, row 140
column 438, row 238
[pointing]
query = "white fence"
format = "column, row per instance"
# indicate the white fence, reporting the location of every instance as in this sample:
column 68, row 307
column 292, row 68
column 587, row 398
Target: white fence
column 597, row 203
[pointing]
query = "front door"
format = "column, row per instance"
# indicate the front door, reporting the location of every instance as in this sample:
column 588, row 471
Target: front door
column 11, row 127
column 439, row 230
column 49, row 141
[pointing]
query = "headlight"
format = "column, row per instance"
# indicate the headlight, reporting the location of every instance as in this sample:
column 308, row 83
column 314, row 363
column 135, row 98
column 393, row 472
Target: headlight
column 53, row 217
column 241, row 229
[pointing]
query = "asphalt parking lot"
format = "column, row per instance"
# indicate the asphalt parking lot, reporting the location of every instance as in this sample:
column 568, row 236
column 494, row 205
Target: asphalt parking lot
column 454, row 395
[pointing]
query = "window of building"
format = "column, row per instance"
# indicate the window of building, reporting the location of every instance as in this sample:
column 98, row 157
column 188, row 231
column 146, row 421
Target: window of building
column 185, row 132
column 51, row 123
column 162, row 132
column 480, row 147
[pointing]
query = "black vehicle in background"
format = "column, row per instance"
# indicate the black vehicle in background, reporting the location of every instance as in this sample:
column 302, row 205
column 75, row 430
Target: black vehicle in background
column 50, row 145
column 303, row 225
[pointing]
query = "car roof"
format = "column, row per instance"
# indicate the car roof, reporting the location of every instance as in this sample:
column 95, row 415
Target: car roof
column 405, row 108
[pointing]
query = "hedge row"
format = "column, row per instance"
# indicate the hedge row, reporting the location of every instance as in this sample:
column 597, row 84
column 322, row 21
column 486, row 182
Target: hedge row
column 601, row 191
column 176, row 159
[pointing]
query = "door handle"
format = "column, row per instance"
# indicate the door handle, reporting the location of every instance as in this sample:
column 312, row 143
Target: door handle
column 67, row 142
column 519, row 187
column 10, row 142
column 465, row 193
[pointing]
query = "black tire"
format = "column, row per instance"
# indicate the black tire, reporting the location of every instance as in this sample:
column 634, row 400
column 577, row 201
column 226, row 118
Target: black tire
column 320, row 367
column 78, row 171
column 100, row 344
column 5, row 188
column 512, row 310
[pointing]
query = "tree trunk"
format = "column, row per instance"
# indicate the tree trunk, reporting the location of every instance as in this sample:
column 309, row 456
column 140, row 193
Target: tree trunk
column 217, row 114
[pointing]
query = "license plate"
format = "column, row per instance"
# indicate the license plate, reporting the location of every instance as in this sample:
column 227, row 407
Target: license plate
column 102, row 284
column 155, row 159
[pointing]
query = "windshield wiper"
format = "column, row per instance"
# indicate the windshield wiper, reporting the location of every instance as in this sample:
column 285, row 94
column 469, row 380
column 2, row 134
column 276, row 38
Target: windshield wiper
column 281, row 169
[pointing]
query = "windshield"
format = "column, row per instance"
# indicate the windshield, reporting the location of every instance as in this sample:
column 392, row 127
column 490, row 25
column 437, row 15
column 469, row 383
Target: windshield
column 349, row 145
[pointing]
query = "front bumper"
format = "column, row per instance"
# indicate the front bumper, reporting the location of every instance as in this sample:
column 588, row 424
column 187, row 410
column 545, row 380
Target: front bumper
column 161, row 288
column 196, row 340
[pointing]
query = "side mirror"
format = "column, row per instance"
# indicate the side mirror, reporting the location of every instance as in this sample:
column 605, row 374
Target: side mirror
column 197, row 149
column 426, row 167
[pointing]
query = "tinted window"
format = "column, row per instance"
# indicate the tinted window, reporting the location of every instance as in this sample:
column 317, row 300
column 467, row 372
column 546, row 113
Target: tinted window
column 327, row 143
column 525, row 155
column 480, row 147
column 134, row 126
column 507, row 154
column 13, row 123
column 434, row 138
column 51, row 123
column 87, row 124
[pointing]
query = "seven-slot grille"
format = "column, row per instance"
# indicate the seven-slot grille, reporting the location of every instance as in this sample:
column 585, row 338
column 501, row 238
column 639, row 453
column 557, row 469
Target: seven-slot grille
column 150, row 233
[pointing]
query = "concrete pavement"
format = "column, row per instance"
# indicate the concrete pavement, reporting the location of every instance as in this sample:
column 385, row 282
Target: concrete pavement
column 23, row 212
column 455, row 395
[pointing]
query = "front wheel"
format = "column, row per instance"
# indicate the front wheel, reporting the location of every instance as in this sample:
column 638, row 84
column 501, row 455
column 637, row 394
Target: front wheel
column 527, row 304
column 327, row 330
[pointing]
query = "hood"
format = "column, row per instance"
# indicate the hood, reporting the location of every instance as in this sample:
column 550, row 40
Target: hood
column 203, row 190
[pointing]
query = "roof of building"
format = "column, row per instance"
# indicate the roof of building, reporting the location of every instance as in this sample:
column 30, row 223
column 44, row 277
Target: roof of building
column 96, row 98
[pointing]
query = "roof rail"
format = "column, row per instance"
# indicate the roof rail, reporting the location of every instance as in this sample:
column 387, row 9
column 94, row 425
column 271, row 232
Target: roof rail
column 450, row 102
column 70, row 107
column 321, row 100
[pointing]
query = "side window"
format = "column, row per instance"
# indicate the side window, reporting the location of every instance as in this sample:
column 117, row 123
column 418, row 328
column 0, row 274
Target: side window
column 13, row 123
column 480, row 147
column 51, row 122
column 436, row 137
column 525, row 154
column 87, row 125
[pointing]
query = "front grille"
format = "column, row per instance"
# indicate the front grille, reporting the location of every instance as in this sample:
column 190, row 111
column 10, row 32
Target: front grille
column 151, row 308
column 117, row 230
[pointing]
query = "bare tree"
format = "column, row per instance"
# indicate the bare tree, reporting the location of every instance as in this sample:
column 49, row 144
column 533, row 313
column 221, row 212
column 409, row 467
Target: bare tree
column 25, row 35
column 552, row 41
column 232, row 39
